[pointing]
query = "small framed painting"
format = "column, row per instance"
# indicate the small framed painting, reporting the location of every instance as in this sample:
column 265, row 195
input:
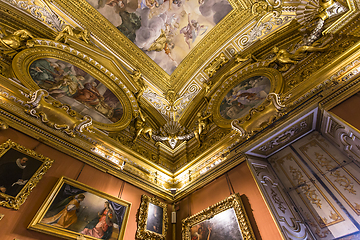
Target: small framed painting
column 20, row 170
column 225, row 220
column 76, row 211
column 152, row 219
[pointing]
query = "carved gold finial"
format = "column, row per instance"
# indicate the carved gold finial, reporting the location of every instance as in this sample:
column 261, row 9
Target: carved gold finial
column 11, row 44
column 74, row 32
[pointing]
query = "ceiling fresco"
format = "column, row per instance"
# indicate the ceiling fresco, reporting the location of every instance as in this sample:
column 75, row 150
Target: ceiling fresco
column 165, row 30
column 75, row 87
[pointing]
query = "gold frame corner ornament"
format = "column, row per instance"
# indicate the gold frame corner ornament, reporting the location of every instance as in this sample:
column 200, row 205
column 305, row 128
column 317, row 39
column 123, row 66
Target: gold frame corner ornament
column 231, row 202
column 15, row 202
column 142, row 232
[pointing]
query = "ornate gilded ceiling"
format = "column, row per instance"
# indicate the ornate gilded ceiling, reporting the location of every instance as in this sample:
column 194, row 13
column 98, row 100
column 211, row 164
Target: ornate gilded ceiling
column 170, row 94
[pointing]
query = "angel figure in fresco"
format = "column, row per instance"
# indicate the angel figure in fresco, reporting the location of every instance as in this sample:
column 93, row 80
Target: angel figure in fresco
column 101, row 226
column 129, row 6
column 163, row 43
column 68, row 214
column 68, row 85
column 192, row 30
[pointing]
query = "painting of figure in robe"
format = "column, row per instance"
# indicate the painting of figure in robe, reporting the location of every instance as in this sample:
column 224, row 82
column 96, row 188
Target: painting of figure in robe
column 166, row 30
column 246, row 95
column 223, row 226
column 85, row 213
column 75, row 87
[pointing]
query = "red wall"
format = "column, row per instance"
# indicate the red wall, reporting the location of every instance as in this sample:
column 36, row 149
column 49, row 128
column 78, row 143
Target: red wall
column 14, row 224
column 348, row 110
column 243, row 183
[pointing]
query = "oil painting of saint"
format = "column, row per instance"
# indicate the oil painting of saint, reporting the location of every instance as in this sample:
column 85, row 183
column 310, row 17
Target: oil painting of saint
column 75, row 87
column 154, row 219
column 223, row 226
column 85, row 213
column 246, row 95
column 166, row 30
column 16, row 169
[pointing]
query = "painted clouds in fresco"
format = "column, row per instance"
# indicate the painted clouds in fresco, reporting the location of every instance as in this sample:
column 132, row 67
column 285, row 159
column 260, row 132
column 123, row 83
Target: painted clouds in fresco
column 168, row 29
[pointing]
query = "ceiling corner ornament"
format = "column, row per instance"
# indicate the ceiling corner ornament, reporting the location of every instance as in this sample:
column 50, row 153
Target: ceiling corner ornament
column 11, row 44
column 69, row 31
column 57, row 115
column 39, row 10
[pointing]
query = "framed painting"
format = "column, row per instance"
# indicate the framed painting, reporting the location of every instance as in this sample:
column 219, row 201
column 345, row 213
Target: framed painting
column 226, row 220
column 152, row 219
column 20, row 170
column 76, row 211
column 91, row 88
column 243, row 92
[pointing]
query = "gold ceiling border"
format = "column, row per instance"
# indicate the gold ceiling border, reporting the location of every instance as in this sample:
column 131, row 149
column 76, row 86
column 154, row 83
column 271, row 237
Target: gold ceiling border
column 276, row 81
column 232, row 202
column 43, row 48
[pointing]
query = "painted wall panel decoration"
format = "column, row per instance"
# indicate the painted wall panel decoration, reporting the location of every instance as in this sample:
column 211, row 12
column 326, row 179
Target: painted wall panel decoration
column 321, row 212
column 165, row 30
column 288, row 220
column 336, row 170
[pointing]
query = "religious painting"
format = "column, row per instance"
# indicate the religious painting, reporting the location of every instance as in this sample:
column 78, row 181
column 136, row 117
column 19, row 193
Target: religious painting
column 225, row 220
column 20, row 170
column 77, row 88
column 74, row 210
column 166, row 30
column 244, row 96
column 152, row 219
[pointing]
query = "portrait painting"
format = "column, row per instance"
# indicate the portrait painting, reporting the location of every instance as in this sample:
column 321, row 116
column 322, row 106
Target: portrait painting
column 247, row 94
column 152, row 219
column 73, row 209
column 75, row 87
column 20, row 170
column 226, row 220
column 166, row 30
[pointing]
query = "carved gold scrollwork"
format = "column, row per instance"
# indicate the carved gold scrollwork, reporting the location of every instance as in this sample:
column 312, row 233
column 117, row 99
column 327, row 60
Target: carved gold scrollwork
column 306, row 188
column 342, row 180
column 216, row 64
column 57, row 115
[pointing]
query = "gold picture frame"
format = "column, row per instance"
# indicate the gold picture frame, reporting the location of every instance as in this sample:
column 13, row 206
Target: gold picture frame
column 240, row 80
column 151, row 223
column 220, row 218
column 71, row 76
column 18, row 176
column 74, row 210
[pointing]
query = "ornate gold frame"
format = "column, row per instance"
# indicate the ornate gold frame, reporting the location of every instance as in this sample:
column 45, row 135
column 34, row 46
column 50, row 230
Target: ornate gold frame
column 16, row 202
column 141, row 232
column 234, row 79
column 68, row 234
column 233, row 201
column 104, row 71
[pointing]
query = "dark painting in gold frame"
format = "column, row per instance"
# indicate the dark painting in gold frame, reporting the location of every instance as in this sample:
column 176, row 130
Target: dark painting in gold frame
column 74, row 210
column 20, row 170
column 225, row 220
column 152, row 219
